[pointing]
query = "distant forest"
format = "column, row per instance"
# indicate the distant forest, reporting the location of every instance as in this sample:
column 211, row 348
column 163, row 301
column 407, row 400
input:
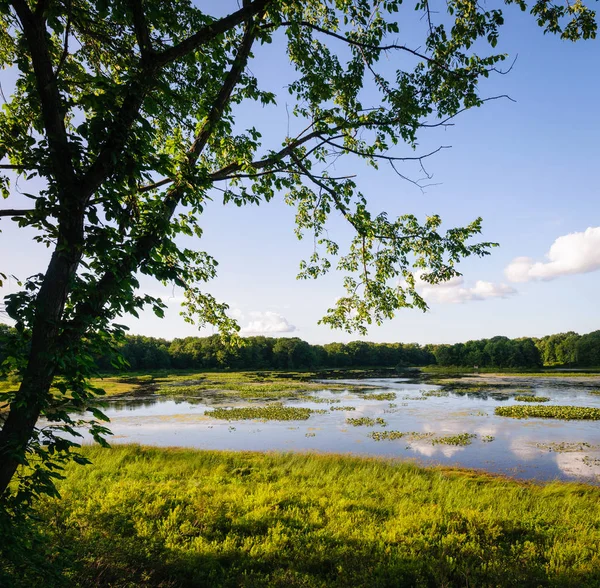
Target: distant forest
column 149, row 353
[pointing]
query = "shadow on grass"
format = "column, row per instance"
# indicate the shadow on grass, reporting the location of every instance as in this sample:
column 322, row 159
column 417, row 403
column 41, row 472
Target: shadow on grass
column 288, row 552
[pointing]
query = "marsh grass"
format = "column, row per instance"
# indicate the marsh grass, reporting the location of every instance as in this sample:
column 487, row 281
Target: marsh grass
column 458, row 439
column 272, row 412
column 318, row 400
column 393, row 435
column 521, row 411
column 434, row 393
column 379, row 396
column 366, row 422
column 565, row 446
column 248, row 385
column 183, row 518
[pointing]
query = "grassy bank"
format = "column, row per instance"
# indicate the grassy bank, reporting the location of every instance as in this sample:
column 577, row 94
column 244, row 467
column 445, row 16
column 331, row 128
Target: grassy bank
column 152, row 517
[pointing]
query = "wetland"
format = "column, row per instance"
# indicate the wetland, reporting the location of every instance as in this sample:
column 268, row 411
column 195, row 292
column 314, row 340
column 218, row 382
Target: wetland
column 429, row 420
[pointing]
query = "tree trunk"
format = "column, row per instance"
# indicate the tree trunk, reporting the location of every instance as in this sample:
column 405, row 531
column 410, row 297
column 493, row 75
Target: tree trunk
column 33, row 393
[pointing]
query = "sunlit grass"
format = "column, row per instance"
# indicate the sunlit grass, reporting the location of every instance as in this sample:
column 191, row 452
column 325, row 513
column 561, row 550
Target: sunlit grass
column 166, row 517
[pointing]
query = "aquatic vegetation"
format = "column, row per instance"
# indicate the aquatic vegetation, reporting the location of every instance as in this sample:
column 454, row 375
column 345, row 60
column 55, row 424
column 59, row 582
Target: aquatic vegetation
column 322, row 400
column 477, row 413
column 595, row 391
column 487, row 438
column 521, row 411
column 272, row 412
column 310, row 434
column 392, row 435
column 247, row 385
column 530, row 398
column 564, row 446
column 591, row 461
column 458, row 439
column 379, row 396
column 434, row 393
column 366, row 422
column 342, row 408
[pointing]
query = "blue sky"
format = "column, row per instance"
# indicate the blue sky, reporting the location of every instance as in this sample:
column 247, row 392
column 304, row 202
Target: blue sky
column 529, row 168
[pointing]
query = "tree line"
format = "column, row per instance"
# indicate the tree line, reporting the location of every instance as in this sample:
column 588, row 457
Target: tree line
column 150, row 353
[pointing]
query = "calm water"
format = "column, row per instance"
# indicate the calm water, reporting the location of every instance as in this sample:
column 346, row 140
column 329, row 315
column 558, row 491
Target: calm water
column 164, row 421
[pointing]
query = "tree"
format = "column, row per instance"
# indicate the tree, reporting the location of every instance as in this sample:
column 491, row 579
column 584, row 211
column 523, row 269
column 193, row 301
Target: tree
column 124, row 113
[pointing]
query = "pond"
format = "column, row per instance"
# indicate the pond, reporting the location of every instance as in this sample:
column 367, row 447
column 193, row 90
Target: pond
column 535, row 448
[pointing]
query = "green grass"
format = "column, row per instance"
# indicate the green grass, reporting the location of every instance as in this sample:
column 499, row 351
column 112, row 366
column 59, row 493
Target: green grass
column 273, row 412
column 531, row 398
column 184, row 518
column 521, row 411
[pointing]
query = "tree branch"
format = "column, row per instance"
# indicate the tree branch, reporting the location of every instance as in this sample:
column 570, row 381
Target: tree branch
column 15, row 212
column 361, row 45
column 140, row 27
column 209, row 32
column 146, row 243
column 143, row 82
column 52, row 105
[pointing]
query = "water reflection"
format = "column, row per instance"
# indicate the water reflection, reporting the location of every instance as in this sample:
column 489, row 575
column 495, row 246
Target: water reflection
column 168, row 421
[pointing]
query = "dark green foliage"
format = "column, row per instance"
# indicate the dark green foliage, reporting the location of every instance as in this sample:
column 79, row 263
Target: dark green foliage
column 500, row 352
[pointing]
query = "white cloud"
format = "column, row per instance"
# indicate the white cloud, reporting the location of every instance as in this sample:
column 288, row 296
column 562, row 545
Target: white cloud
column 455, row 291
column 267, row 322
column 575, row 253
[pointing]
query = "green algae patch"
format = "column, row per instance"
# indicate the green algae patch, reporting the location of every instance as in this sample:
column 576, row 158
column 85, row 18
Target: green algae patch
column 459, row 439
column 393, row 435
column 379, row 396
column 273, row 412
column 521, row 411
column 366, row 422
column 566, row 446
